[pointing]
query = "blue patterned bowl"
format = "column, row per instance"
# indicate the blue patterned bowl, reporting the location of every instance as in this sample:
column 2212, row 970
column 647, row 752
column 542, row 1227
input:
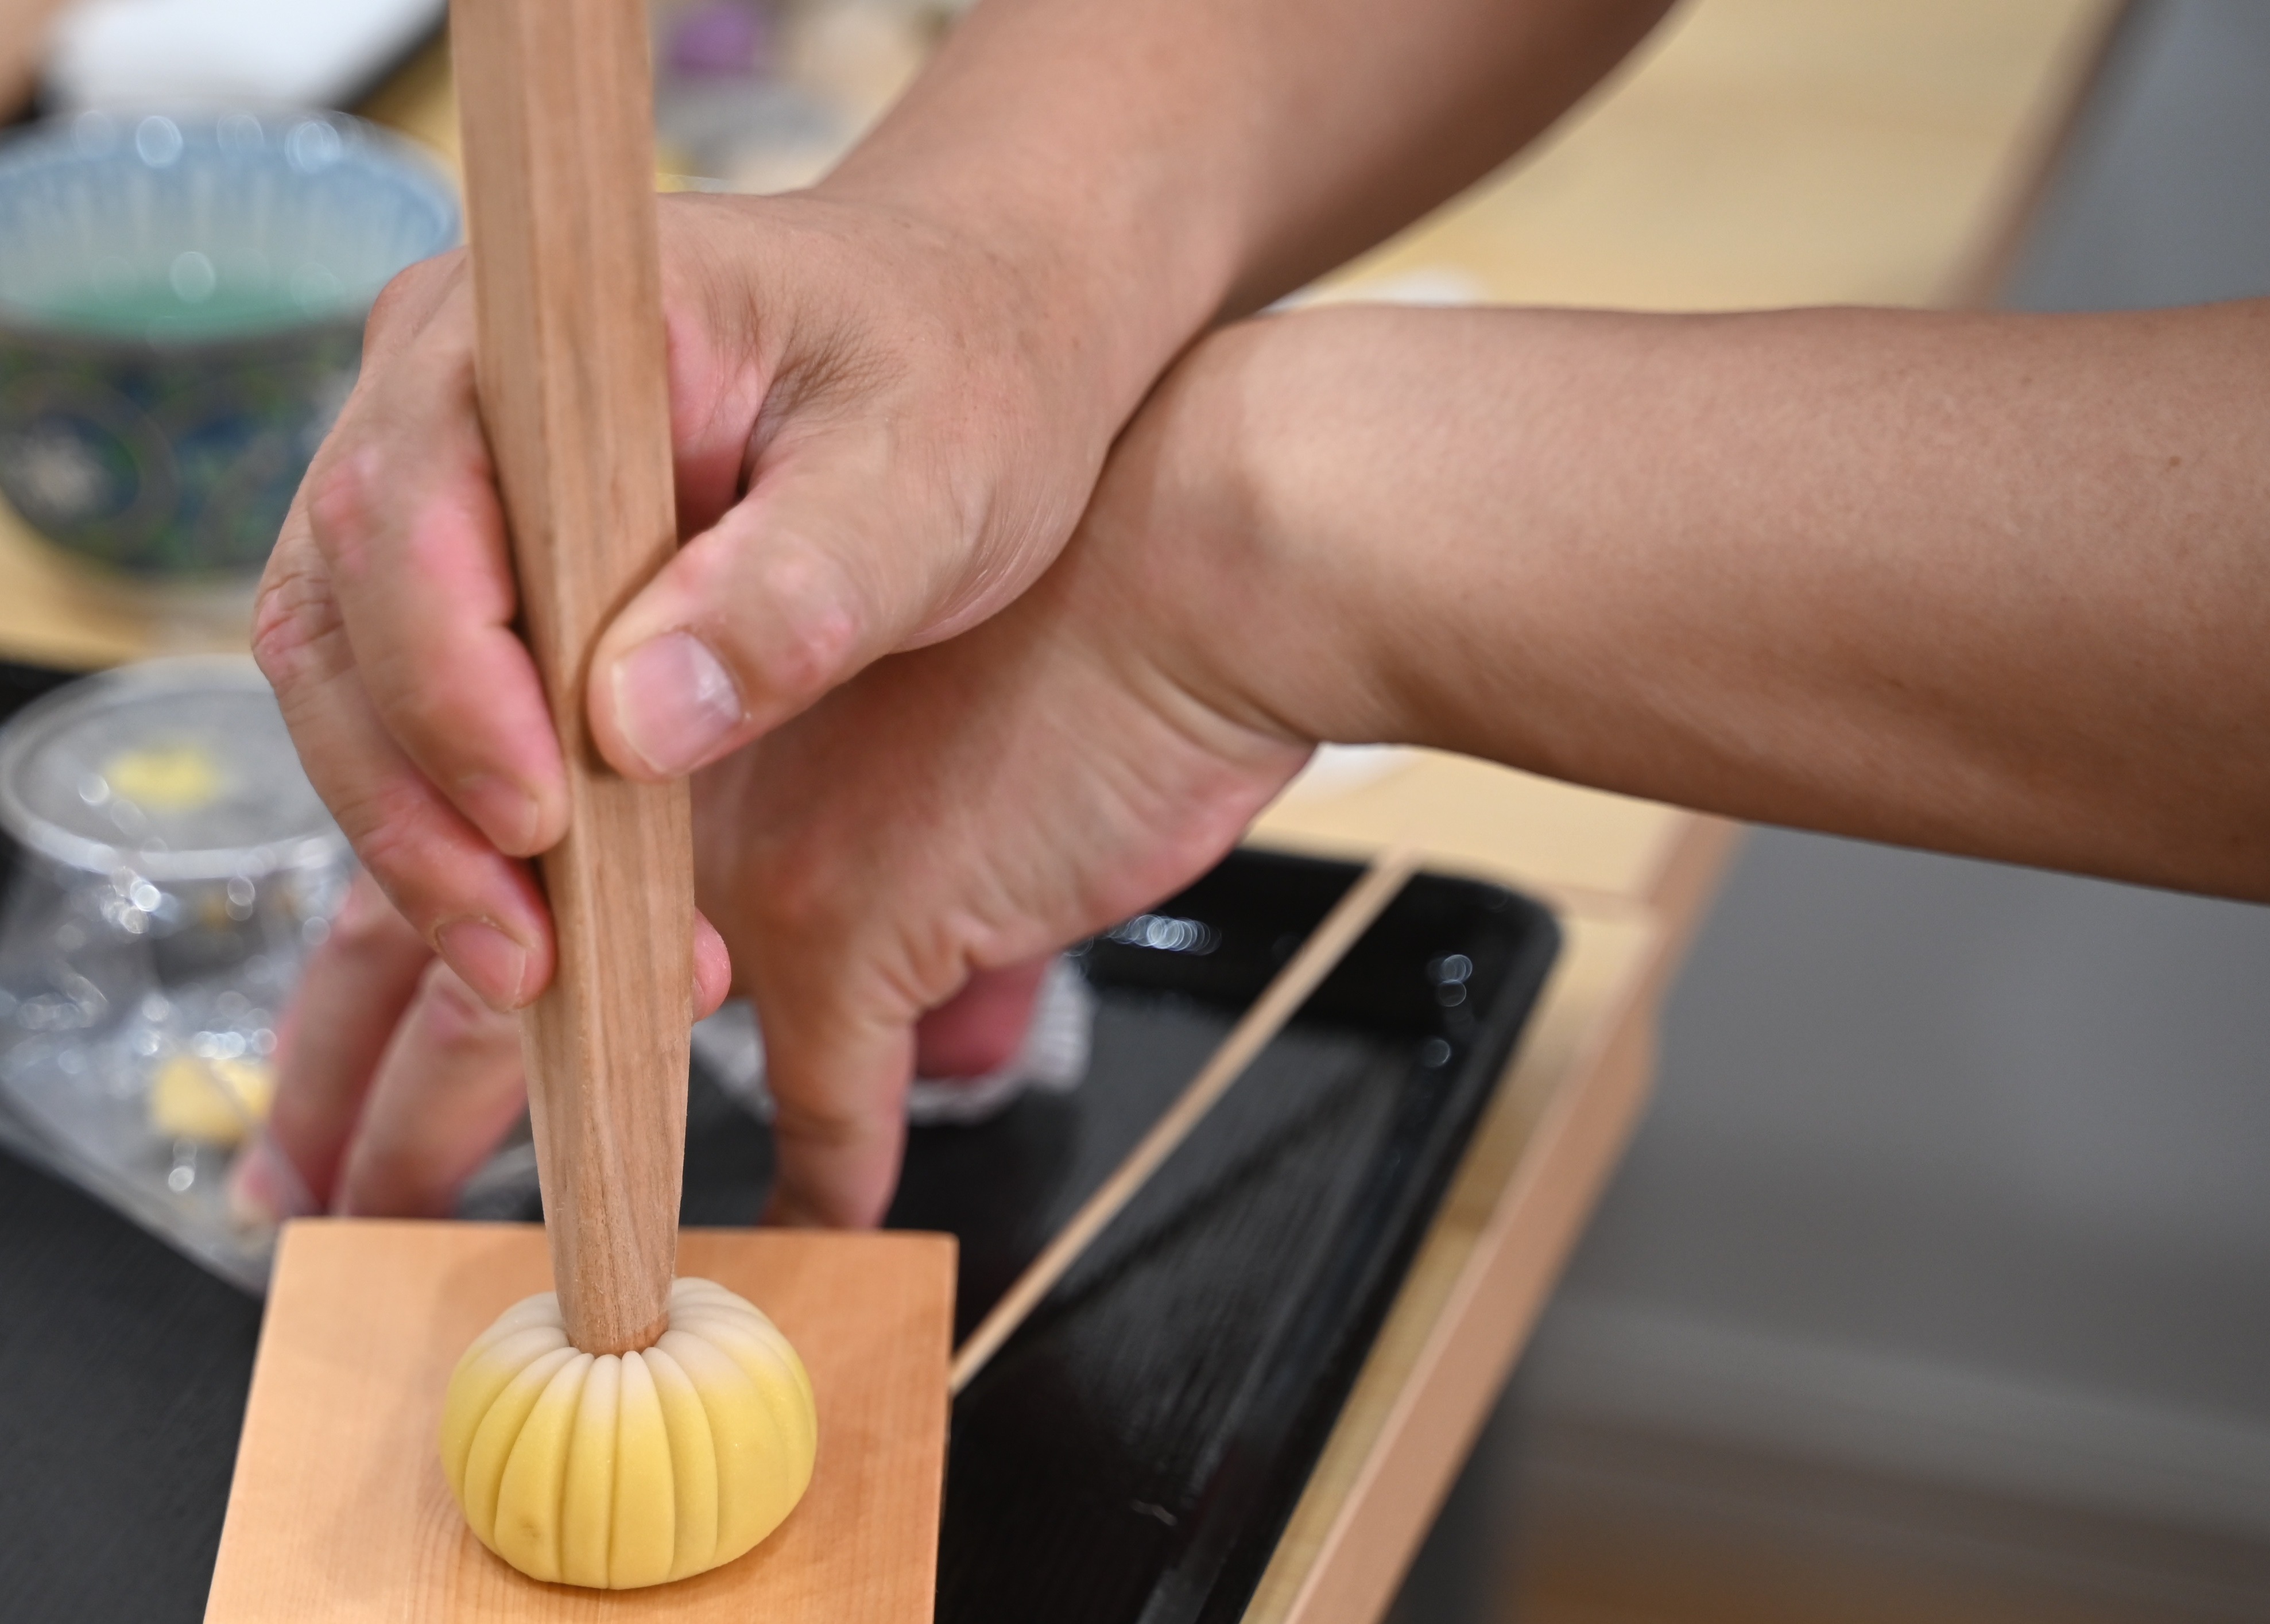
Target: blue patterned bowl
column 182, row 301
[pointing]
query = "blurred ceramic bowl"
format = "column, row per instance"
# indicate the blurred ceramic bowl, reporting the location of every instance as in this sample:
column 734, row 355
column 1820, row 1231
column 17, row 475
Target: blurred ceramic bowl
column 182, row 301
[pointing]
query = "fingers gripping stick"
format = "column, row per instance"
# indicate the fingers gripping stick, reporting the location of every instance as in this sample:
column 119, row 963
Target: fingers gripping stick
column 575, row 395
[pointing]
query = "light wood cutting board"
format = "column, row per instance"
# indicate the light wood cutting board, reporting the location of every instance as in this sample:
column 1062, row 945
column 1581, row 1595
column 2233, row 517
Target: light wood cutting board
column 340, row 1511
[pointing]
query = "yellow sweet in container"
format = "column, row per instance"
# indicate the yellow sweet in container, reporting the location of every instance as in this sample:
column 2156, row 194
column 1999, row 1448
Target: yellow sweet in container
column 210, row 1101
column 173, row 778
column 621, row 1470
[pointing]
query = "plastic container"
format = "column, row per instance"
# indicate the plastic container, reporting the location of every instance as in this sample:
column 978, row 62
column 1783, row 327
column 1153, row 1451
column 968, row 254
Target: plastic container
column 173, row 868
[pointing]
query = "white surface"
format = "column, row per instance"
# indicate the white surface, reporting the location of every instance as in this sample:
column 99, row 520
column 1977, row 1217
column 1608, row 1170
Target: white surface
column 1335, row 770
column 1429, row 285
column 173, row 53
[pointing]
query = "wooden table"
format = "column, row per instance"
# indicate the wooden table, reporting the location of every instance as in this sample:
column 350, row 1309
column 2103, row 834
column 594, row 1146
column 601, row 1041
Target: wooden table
column 1758, row 152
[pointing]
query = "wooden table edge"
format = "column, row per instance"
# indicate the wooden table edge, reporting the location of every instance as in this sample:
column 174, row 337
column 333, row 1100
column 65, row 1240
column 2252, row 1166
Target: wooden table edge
column 1545, row 1147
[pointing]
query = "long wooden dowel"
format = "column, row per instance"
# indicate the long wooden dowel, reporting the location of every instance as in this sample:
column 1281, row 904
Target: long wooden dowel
column 1326, row 946
column 554, row 97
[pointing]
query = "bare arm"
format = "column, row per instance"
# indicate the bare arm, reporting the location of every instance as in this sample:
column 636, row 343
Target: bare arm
column 1993, row 584
column 1207, row 157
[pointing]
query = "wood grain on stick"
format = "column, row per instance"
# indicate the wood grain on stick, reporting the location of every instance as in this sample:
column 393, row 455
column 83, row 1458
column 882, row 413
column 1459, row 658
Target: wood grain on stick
column 1327, row 944
column 558, row 153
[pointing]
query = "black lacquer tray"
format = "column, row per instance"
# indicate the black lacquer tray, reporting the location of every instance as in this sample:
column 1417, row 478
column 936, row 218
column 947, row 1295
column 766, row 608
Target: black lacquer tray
column 1131, row 1455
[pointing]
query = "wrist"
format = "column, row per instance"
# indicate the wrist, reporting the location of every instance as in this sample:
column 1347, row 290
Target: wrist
column 1085, row 294
column 1253, row 593
column 1120, row 246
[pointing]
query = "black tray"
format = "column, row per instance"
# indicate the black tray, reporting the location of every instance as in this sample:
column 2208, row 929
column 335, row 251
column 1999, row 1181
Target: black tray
column 1134, row 1452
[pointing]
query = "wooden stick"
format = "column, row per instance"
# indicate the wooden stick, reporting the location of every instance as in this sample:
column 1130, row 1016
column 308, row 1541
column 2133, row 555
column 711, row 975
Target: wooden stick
column 558, row 150
column 1278, row 1002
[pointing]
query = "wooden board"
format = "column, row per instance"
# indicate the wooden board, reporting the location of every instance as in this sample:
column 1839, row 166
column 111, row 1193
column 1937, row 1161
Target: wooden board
column 339, row 1512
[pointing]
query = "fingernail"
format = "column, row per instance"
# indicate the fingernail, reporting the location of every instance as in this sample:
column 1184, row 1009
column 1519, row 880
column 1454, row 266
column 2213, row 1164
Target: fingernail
column 491, row 963
column 504, row 812
column 675, row 703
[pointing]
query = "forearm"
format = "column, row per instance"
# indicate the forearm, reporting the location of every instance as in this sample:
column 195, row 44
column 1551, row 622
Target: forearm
column 1990, row 584
column 1172, row 162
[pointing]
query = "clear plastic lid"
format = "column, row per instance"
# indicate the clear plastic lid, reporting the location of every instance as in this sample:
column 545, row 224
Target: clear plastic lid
column 179, row 769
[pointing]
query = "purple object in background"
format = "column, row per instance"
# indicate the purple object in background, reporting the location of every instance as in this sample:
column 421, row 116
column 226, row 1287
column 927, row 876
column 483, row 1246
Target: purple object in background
column 721, row 39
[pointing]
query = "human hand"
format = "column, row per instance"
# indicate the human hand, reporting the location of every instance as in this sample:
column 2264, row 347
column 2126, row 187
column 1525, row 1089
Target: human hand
column 889, row 867
column 871, row 451
column 881, row 438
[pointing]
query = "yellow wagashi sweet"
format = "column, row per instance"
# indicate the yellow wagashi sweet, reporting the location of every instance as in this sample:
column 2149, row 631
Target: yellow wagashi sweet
column 621, row 1470
column 210, row 1101
column 166, row 778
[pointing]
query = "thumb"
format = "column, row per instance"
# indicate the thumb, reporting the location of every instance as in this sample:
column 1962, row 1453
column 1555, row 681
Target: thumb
column 825, row 566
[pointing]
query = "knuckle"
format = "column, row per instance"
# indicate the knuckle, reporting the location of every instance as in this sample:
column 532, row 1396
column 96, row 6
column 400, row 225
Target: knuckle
column 435, row 720
column 458, row 1025
column 824, row 1123
column 796, row 900
column 298, row 635
column 340, row 515
column 409, row 298
column 430, row 865
column 809, row 925
column 812, row 612
column 369, row 930
column 812, row 657
column 399, row 835
column 392, row 306
column 798, row 896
